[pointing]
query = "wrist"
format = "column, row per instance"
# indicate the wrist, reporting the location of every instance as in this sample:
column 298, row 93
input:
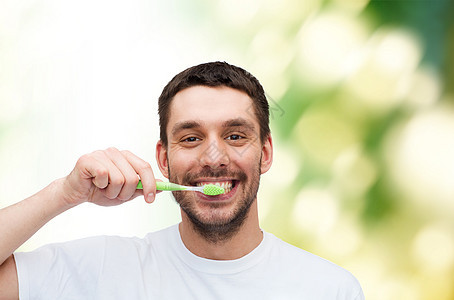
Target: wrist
column 60, row 194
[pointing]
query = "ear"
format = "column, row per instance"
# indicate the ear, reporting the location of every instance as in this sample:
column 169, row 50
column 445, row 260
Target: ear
column 267, row 155
column 161, row 158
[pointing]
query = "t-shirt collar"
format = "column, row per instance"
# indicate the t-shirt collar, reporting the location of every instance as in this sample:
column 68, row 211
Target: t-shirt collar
column 220, row 266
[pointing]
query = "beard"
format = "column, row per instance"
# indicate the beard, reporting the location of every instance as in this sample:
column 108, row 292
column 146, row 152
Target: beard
column 216, row 226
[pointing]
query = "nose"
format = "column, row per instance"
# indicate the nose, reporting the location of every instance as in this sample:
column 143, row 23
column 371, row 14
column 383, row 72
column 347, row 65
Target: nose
column 214, row 155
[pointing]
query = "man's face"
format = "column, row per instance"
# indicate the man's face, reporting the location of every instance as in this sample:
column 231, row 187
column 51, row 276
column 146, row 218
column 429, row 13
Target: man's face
column 214, row 137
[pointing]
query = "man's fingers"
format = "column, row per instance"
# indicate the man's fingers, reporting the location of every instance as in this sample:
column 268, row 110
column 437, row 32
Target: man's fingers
column 94, row 169
column 130, row 178
column 116, row 178
column 146, row 175
column 116, row 174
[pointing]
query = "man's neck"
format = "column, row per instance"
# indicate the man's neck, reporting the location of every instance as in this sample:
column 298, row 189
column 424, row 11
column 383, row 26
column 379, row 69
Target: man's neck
column 246, row 239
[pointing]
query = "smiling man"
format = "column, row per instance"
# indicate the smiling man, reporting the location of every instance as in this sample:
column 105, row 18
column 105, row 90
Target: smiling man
column 214, row 122
column 237, row 159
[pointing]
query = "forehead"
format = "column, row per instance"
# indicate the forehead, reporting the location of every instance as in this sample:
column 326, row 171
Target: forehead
column 211, row 105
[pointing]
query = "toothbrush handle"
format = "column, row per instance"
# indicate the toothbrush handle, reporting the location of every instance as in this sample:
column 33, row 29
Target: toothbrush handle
column 169, row 186
column 165, row 186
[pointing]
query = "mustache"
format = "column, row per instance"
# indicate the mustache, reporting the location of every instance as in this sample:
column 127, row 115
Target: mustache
column 190, row 177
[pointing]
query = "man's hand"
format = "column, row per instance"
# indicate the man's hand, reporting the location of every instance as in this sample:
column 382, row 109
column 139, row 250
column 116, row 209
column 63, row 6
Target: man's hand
column 108, row 177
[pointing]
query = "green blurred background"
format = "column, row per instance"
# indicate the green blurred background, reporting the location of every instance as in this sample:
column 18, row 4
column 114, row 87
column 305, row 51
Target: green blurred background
column 362, row 115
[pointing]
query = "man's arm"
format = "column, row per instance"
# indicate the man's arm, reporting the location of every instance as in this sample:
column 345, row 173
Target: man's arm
column 9, row 287
column 105, row 178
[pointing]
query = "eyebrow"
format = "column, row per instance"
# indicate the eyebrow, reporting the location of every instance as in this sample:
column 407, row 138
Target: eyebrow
column 185, row 125
column 237, row 122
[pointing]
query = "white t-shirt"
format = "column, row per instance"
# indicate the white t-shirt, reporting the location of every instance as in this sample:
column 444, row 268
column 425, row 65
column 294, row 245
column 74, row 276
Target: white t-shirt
column 159, row 266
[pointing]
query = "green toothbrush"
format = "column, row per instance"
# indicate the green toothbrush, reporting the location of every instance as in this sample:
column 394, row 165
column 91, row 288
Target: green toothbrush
column 207, row 189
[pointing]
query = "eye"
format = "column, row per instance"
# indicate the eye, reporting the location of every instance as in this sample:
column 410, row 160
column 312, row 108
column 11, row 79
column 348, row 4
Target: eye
column 191, row 139
column 234, row 137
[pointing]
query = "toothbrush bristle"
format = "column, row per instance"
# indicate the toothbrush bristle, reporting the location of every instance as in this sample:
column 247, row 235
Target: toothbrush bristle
column 212, row 190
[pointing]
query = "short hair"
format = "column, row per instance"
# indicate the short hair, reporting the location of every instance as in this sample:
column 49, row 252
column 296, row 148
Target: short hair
column 215, row 74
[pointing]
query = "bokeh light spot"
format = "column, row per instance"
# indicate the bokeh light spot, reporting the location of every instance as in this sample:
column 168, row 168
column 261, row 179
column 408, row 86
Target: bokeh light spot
column 421, row 159
column 315, row 211
column 327, row 43
column 433, row 248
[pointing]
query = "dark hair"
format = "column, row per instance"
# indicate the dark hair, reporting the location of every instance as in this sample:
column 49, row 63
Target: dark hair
column 215, row 74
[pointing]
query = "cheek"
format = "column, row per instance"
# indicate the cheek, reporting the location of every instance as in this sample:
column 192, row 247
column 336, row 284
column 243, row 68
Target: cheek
column 248, row 152
column 246, row 159
column 182, row 160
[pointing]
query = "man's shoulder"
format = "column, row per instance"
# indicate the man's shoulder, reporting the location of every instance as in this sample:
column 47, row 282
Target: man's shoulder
column 308, row 264
column 166, row 233
column 110, row 243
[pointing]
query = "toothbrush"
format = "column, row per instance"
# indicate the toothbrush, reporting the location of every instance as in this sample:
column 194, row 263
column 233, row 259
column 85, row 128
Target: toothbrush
column 207, row 189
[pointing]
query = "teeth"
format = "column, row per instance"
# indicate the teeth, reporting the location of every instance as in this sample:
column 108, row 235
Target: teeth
column 226, row 185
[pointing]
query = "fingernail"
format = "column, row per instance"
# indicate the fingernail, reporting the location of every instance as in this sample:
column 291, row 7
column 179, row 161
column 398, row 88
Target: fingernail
column 150, row 198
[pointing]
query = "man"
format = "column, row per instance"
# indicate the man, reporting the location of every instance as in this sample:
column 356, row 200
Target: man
column 214, row 129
